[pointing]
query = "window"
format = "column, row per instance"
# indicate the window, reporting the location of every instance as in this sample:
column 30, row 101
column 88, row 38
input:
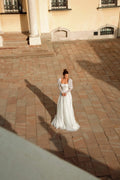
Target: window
column 108, row 3
column 12, row 6
column 107, row 31
column 95, row 33
column 59, row 4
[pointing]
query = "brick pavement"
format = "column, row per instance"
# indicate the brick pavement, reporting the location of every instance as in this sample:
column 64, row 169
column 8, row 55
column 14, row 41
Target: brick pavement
column 29, row 94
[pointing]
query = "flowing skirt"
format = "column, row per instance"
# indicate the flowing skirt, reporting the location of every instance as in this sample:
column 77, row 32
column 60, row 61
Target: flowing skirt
column 65, row 118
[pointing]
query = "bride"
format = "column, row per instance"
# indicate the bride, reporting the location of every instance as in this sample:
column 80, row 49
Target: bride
column 65, row 118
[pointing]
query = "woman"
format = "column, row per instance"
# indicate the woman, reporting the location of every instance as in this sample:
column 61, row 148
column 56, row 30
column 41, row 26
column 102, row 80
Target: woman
column 64, row 117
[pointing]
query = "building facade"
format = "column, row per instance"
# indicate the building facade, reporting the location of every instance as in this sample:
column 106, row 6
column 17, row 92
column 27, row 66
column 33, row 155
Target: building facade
column 61, row 19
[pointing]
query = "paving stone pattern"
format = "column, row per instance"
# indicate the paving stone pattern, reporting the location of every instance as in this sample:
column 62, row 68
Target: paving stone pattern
column 29, row 94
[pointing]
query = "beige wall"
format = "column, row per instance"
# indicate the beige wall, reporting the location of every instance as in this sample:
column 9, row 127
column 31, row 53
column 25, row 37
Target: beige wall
column 38, row 15
column 43, row 14
column 81, row 21
column 14, row 22
column 84, row 16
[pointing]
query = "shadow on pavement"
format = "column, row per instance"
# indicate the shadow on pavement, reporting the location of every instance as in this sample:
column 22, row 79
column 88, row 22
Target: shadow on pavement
column 108, row 69
column 78, row 159
column 5, row 124
column 59, row 140
column 48, row 103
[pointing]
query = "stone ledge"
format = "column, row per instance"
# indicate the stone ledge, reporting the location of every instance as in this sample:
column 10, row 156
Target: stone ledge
column 104, row 7
column 32, row 162
column 1, row 41
column 14, row 13
column 59, row 9
column 34, row 40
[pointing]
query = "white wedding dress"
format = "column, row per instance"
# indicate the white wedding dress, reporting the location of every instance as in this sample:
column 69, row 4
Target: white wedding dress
column 65, row 118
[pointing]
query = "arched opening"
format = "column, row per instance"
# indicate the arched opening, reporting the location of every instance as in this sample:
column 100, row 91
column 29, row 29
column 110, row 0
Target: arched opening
column 106, row 31
column 60, row 34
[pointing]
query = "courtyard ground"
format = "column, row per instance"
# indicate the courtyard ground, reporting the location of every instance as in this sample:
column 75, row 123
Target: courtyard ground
column 29, row 94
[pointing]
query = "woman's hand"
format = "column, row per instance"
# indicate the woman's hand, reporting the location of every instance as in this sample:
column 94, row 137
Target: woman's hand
column 63, row 94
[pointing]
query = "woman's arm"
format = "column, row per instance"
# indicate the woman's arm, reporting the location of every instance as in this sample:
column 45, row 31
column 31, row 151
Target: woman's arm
column 59, row 85
column 70, row 86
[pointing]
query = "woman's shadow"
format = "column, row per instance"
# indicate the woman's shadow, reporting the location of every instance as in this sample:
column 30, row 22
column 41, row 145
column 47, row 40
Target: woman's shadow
column 48, row 103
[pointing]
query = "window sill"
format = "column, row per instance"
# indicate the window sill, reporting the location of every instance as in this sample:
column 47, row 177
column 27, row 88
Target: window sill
column 104, row 7
column 14, row 13
column 106, row 34
column 62, row 9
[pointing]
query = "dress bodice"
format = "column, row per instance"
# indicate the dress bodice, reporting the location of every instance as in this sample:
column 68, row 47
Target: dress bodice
column 64, row 87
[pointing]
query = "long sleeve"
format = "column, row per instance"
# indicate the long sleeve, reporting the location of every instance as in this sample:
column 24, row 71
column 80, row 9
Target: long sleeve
column 70, row 85
column 59, row 85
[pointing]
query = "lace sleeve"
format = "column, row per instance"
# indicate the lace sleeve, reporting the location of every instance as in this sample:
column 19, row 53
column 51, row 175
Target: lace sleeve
column 70, row 85
column 59, row 85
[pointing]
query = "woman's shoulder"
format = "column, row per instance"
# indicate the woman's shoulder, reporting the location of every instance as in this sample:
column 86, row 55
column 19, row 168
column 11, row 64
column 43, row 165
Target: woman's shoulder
column 59, row 79
column 70, row 79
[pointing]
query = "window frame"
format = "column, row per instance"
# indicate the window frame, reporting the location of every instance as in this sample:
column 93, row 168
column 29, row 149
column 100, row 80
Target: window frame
column 57, row 8
column 114, row 4
column 104, row 32
column 14, row 7
column 59, row 4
